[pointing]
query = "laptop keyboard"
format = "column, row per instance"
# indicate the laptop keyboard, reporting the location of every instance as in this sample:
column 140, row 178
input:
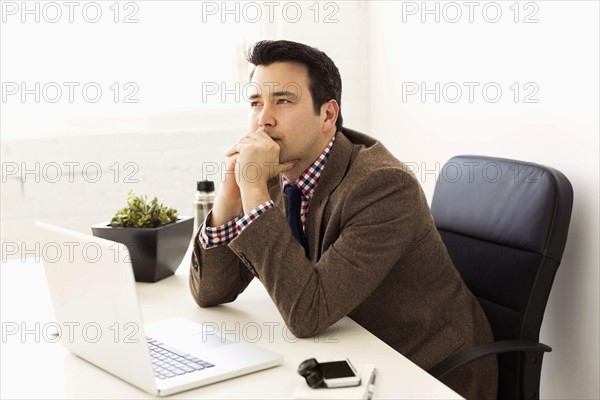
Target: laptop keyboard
column 169, row 362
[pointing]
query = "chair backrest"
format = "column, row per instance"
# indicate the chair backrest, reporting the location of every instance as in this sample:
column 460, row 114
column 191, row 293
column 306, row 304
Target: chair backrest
column 505, row 225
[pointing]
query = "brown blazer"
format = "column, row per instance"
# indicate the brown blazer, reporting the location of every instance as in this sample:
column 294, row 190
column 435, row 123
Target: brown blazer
column 375, row 256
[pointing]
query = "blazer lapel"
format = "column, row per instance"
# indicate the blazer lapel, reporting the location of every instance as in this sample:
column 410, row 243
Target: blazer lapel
column 333, row 173
column 335, row 169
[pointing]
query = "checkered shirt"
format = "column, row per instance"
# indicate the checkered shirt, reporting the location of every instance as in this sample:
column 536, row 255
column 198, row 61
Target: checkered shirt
column 307, row 183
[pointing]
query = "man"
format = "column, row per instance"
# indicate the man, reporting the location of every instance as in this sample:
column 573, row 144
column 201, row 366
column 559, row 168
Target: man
column 332, row 225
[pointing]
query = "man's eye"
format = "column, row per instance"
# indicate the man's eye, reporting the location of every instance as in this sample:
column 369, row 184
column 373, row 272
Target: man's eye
column 255, row 103
column 283, row 101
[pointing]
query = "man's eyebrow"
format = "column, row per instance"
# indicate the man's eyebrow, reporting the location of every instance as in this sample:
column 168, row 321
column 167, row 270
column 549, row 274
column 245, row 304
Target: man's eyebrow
column 274, row 94
column 284, row 94
column 254, row 96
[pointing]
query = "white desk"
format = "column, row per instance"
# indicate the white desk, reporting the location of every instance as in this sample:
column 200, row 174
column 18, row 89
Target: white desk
column 36, row 368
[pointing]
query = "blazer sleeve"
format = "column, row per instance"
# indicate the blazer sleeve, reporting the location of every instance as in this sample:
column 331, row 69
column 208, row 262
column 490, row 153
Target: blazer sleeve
column 216, row 275
column 381, row 216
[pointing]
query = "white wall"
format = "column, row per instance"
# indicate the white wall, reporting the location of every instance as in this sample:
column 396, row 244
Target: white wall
column 559, row 54
column 166, row 151
column 80, row 181
column 159, row 56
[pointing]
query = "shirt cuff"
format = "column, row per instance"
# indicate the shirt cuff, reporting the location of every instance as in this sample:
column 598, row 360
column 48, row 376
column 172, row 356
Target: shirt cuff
column 244, row 221
column 219, row 235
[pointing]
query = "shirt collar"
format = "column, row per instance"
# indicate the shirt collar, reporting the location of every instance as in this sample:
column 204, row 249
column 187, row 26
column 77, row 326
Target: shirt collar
column 307, row 181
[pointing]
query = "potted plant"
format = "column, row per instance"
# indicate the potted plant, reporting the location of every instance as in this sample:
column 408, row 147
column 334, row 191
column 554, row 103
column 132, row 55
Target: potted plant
column 156, row 238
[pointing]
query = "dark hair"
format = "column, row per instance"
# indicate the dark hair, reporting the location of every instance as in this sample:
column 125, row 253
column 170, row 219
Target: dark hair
column 324, row 81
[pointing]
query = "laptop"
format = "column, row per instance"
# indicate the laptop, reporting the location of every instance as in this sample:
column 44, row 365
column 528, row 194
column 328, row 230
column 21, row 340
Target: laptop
column 95, row 300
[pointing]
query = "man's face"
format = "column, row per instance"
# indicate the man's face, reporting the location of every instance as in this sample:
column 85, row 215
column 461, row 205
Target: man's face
column 280, row 102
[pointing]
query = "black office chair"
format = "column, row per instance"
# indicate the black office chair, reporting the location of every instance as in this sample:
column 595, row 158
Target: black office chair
column 505, row 225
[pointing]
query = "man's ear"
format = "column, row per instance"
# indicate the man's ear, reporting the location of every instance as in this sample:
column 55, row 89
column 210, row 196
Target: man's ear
column 329, row 113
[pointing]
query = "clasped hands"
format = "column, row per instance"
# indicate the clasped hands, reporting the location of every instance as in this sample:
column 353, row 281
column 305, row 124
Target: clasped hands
column 250, row 163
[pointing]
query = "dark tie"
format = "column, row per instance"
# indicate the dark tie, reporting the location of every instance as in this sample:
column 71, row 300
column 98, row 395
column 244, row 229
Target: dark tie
column 294, row 196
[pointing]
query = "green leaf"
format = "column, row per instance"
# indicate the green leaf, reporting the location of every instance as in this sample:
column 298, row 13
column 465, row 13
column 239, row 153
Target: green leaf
column 140, row 213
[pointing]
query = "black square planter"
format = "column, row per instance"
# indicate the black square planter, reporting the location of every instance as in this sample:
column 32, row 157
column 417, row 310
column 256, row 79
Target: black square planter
column 155, row 252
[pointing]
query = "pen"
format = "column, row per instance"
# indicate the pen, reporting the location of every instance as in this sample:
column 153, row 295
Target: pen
column 371, row 384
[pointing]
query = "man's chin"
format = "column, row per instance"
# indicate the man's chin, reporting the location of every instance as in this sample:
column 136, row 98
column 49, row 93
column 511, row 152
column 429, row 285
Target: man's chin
column 294, row 170
column 285, row 160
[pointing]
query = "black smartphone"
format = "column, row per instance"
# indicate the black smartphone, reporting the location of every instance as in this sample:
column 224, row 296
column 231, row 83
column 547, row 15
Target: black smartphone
column 339, row 373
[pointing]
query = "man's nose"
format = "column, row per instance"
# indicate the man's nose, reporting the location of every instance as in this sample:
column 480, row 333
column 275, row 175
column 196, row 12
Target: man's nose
column 266, row 116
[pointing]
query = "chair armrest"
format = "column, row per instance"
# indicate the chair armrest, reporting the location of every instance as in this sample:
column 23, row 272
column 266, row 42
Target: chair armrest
column 475, row 353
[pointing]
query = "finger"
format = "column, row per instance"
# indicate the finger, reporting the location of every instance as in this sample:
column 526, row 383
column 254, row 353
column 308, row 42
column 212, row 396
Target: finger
column 262, row 133
column 259, row 136
column 230, row 162
column 259, row 130
column 230, row 151
column 252, row 138
column 243, row 139
column 234, row 148
column 262, row 137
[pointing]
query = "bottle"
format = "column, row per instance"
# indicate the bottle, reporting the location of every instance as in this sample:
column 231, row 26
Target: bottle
column 203, row 201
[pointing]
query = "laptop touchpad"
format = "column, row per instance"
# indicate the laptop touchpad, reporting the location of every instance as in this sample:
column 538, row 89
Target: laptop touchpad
column 188, row 336
column 210, row 340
